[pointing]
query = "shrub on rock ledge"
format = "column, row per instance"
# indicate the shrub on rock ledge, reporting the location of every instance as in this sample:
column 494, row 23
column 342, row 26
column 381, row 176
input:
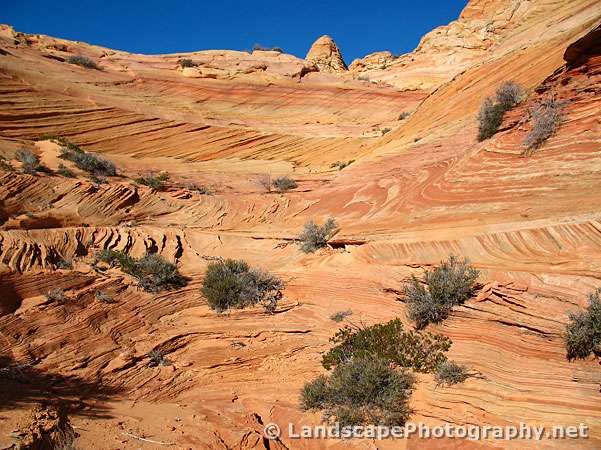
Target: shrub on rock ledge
column 284, row 183
column 361, row 391
column 82, row 61
column 315, row 237
column 153, row 272
column 448, row 285
column 583, row 332
column 94, row 164
column 234, row 284
column 410, row 349
column 449, row 372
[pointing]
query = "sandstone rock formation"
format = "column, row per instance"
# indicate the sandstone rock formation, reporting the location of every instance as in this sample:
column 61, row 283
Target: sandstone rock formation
column 325, row 55
column 424, row 190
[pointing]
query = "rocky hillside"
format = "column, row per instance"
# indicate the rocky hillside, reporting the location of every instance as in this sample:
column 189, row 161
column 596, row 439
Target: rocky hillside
column 387, row 147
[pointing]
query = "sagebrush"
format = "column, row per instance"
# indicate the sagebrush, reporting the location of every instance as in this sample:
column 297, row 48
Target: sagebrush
column 82, row 61
column 546, row 118
column 490, row 116
column 29, row 160
column 361, row 391
column 234, row 284
column 450, row 284
column 284, row 183
column 419, row 351
column 156, row 182
column 583, row 332
column 92, row 163
column 153, row 272
column 449, row 373
column 314, row 237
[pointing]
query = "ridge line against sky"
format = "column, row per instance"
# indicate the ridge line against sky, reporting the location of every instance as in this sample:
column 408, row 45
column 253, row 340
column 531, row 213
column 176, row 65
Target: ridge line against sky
column 152, row 27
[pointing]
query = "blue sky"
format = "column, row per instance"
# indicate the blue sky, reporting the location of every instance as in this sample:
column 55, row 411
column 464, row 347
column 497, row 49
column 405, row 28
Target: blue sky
column 359, row 27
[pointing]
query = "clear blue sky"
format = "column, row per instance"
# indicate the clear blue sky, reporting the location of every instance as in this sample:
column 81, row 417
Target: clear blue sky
column 359, row 27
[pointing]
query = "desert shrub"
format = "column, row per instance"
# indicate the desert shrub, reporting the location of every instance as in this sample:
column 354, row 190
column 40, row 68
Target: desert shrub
column 158, row 358
column 341, row 165
column 404, row 115
column 153, row 272
column 509, row 94
column 411, row 349
column 187, row 63
column 202, row 190
column 104, row 297
column 94, row 164
column 284, row 183
column 546, row 118
column 490, row 118
column 363, row 78
column 341, row 315
column 449, row 372
column 63, row 263
column 82, row 61
column 361, row 391
column 156, row 182
column 448, row 285
column 583, row 332
column 491, row 113
column 386, row 130
column 6, row 165
column 65, row 171
column 56, row 295
column 259, row 47
column 234, row 284
column 315, row 237
column 61, row 141
column 29, row 160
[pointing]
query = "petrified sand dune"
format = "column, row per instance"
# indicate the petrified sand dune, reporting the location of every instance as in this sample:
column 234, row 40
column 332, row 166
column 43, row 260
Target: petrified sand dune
column 419, row 190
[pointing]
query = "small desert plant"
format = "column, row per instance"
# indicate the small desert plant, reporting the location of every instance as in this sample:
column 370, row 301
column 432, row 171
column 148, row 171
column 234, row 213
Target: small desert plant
column 82, row 61
column 187, row 63
column 63, row 263
column 448, row 285
column 202, row 190
column 94, row 164
column 56, row 295
column 341, row 165
column 491, row 113
column 29, row 160
column 315, row 237
column 404, row 115
column 410, row 349
column 284, row 183
column 449, row 372
column 259, row 47
column 104, row 297
column 546, row 118
column 158, row 358
column 153, row 272
column 363, row 78
column 156, row 182
column 509, row 94
column 386, row 130
column 361, row 391
column 583, row 332
column 341, row 315
column 65, row 171
column 233, row 284
column 5, row 165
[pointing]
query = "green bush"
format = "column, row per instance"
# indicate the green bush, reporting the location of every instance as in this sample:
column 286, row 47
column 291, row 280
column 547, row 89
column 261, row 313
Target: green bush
column 449, row 372
column 233, row 284
column 156, row 182
column 315, row 237
column 158, row 358
column 82, row 61
column 420, row 351
column 491, row 113
column 94, row 164
column 448, row 285
column 284, row 183
column 361, row 391
column 583, row 332
column 153, row 272
column 65, row 171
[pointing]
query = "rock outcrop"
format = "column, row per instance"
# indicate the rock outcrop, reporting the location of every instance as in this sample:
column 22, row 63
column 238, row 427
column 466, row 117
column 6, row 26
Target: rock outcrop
column 324, row 53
